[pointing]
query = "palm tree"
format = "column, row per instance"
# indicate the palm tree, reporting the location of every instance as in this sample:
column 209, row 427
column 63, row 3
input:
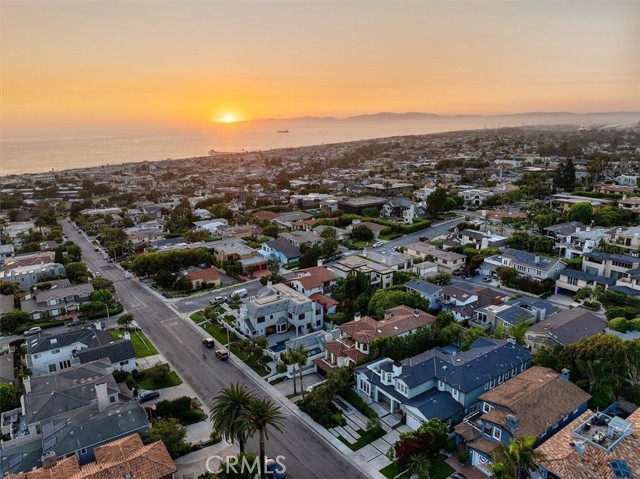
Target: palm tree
column 287, row 357
column 419, row 465
column 300, row 355
column 516, row 460
column 258, row 416
column 227, row 414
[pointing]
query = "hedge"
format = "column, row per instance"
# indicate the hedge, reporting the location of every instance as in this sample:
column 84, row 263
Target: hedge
column 356, row 401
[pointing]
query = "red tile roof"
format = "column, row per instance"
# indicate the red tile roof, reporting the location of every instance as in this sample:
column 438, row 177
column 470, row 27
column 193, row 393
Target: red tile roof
column 209, row 274
column 402, row 319
column 266, row 215
column 315, row 277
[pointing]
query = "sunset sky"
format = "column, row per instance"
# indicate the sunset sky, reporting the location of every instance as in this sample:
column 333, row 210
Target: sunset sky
column 66, row 64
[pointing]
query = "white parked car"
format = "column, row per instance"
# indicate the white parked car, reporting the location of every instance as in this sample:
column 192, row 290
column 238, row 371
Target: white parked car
column 32, row 331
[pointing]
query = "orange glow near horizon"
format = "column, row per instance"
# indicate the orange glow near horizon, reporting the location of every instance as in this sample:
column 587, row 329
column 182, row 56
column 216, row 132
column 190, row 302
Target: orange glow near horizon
column 192, row 63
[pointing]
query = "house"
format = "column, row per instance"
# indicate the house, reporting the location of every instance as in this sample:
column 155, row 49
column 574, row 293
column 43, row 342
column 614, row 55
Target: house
column 278, row 310
column 508, row 313
column 426, row 269
column 628, row 180
column 527, row 264
column 476, row 196
column 463, row 299
column 400, row 209
column 564, row 201
column 374, row 227
column 564, row 328
column 609, row 265
column 214, row 226
column 438, row 384
column 232, row 250
column 388, row 257
column 71, row 413
column 480, row 240
column 341, row 234
column 120, row 353
column 286, row 220
column 300, row 238
column 571, row 280
column 536, row 403
column 6, row 251
column 583, row 241
column 631, row 204
column 628, row 239
column 63, row 298
column 355, row 205
column 313, row 343
column 357, row 335
column 280, row 250
column 329, row 305
column 27, row 276
column 447, row 261
column 593, row 446
column 309, row 281
column 151, row 461
column 16, row 230
column 47, row 354
column 427, row 290
column 204, row 277
column 561, row 231
column 380, row 275
column 628, row 284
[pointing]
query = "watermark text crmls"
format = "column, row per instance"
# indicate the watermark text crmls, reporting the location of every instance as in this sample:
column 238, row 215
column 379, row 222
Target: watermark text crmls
column 243, row 464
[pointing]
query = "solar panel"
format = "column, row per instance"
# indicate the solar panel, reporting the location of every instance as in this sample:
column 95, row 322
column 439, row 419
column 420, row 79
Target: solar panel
column 49, row 443
column 621, row 469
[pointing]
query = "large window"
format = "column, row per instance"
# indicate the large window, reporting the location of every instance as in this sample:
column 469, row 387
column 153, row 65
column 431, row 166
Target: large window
column 497, row 433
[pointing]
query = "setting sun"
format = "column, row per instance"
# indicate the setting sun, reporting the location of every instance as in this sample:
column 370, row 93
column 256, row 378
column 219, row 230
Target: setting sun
column 228, row 119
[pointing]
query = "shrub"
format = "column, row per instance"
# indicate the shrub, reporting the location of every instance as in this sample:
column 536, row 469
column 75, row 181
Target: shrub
column 616, row 312
column 463, row 457
column 634, row 324
column 619, row 324
column 281, row 368
column 591, row 305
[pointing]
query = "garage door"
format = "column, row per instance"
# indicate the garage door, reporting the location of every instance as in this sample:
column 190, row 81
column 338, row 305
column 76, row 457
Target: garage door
column 412, row 422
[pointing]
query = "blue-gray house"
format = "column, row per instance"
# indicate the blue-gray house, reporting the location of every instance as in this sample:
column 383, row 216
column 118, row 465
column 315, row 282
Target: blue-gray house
column 426, row 290
column 537, row 403
column 440, row 384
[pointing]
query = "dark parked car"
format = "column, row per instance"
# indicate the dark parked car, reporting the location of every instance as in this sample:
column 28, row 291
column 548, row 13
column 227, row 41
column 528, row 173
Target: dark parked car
column 75, row 322
column 209, row 343
column 148, row 396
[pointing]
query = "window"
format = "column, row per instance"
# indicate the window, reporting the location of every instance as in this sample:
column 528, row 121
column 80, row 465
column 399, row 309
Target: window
column 52, row 368
column 112, row 399
column 440, row 386
column 83, row 450
column 621, row 469
column 454, row 393
column 124, row 363
column 260, row 319
column 55, row 351
column 486, row 407
column 523, row 367
column 497, row 433
column 128, row 475
column 500, row 379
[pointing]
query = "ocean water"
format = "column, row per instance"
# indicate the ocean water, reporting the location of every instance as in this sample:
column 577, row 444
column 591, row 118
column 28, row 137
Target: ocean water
column 43, row 152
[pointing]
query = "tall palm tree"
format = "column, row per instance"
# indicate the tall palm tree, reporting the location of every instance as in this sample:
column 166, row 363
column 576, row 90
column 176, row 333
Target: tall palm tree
column 287, row 357
column 517, row 460
column 301, row 356
column 258, row 416
column 419, row 465
column 227, row 414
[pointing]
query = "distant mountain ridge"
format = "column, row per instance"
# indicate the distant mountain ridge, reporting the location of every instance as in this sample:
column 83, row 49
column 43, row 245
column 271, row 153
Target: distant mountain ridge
column 394, row 116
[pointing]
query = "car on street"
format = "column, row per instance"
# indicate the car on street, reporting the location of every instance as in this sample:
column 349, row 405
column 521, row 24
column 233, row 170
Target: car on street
column 145, row 396
column 274, row 469
column 377, row 243
column 75, row 322
column 32, row 331
column 218, row 300
column 208, row 343
column 222, row 354
column 457, row 272
column 452, row 229
column 97, row 273
column 127, row 275
column 241, row 292
column 487, row 279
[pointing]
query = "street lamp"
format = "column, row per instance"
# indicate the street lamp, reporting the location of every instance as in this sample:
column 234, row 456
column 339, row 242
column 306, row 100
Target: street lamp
column 106, row 306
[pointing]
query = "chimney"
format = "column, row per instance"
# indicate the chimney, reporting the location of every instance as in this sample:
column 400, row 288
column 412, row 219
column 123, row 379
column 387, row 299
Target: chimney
column 356, row 317
column 416, row 313
column 269, row 283
column 319, row 263
column 127, row 335
column 48, row 459
column 511, row 340
column 512, row 422
column 564, row 375
column 98, row 325
column 397, row 368
column 102, row 395
column 26, row 382
column 536, row 259
column 388, row 315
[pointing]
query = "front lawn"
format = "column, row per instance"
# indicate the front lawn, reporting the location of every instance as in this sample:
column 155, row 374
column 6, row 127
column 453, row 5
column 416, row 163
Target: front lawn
column 141, row 344
column 218, row 332
column 366, row 437
column 439, row 469
column 197, row 317
column 250, row 361
column 149, row 384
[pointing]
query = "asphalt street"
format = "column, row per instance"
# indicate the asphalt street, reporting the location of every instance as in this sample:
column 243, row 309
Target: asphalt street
column 306, row 454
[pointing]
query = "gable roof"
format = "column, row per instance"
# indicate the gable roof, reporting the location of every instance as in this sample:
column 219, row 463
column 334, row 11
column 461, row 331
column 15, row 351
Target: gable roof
column 314, row 277
column 423, row 287
column 284, row 247
column 208, row 274
column 88, row 337
column 522, row 257
column 538, row 397
column 402, row 320
column 570, row 326
column 117, row 351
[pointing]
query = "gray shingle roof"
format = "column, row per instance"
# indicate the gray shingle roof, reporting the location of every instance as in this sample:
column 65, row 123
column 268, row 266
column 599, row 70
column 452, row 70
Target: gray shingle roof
column 423, row 286
column 522, row 257
column 86, row 336
column 284, row 247
column 116, row 352
column 572, row 273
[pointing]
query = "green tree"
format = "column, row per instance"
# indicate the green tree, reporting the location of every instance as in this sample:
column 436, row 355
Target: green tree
column 227, row 414
column 444, row 319
column 288, row 358
column 582, row 212
column 8, row 398
column 10, row 322
column 171, row 433
column 361, row 233
column 102, row 296
column 301, row 356
column 370, row 212
column 419, row 465
column 518, row 459
column 243, row 466
column 100, row 282
column 470, row 335
column 518, row 330
column 260, row 415
column 437, row 202
column 77, row 272
column 329, row 247
column 271, row 230
column 565, row 178
column 125, row 320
